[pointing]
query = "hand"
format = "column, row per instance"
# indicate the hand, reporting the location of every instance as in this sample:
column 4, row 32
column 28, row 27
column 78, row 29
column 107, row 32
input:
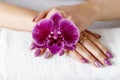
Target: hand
column 83, row 15
column 89, row 49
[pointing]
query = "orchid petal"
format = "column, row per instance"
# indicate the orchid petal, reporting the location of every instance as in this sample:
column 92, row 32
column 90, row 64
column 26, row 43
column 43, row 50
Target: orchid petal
column 34, row 46
column 41, row 31
column 69, row 31
column 54, row 49
column 56, row 17
column 70, row 47
column 56, row 34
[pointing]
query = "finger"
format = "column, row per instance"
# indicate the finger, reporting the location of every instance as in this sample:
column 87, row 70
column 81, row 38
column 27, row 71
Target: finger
column 97, row 36
column 38, row 52
column 96, row 52
column 42, row 51
column 47, row 54
column 74, row 54
column 87, row 55
column 99, row 45
column 40, row 16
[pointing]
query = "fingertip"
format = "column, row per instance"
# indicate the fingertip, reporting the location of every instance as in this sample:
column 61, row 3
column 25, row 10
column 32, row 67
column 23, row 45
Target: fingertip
column 34, row 18
column 42, row 52
column 83, row 60
column 109, row 55
column 97, row 36
column 40, row 16
column 98, row 64
column 107, row 62
column 37, row 52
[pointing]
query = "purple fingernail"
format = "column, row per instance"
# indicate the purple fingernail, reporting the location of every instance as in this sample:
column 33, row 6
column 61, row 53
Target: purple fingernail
column 83, row 60
column 37, row 52
column 33, row 46
column 106, row 61
column 61, row 52
column 109, row 55
column 47, row 54
column 98, row 64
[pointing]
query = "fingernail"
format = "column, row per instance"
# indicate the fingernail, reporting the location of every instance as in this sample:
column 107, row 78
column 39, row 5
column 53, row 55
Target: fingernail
column 109, row 55
column 98, row 64
column 99, row 36
column 33, row 46
column 83, row 60
column 61, row 52
column 34, row 18
column 47, row 55
column 37, row 52
column 106, row 61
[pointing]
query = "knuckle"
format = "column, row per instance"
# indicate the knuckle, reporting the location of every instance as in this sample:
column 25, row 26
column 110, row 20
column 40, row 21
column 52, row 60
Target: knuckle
column 100, row 55
column 104, row 49
column 57, row 8
column 64, row 13
column 89, row 57
column 54, row 9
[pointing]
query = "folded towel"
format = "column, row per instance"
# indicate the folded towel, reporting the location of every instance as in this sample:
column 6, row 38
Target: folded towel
column 17, row 62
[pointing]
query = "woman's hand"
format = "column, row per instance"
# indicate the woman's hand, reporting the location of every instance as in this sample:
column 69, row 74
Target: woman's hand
column 83, row 15
column 89, row 49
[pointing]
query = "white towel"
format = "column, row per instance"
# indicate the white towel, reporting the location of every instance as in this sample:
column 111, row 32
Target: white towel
column 17, row 62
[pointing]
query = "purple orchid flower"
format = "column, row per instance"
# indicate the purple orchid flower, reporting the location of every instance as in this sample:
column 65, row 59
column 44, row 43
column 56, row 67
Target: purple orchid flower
column 56, row 34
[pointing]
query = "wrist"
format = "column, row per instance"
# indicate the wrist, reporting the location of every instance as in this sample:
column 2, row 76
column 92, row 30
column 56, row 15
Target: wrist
column 96, row 9
column 100, row 7
column 92, row 9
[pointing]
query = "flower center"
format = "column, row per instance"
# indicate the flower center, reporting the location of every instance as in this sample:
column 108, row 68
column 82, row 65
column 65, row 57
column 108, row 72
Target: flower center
column 55, row 38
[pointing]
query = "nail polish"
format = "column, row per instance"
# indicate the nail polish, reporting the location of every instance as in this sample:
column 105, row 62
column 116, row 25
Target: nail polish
column 61, row 52
column 47, row 55
column 109, row 55
column 37, row 52
column 33, row 46
column 98, row 64
column 107, row 62
column 83, row 60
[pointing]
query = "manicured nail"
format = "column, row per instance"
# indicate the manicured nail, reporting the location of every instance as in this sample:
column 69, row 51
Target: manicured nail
column 83, row 60
column 34, row 18
column 107, row 62
column 61, row 52
column 33, row 46
column 98, row 64
column 99, row 36
column 47, row 55
column 37, row 52
column 109, row 55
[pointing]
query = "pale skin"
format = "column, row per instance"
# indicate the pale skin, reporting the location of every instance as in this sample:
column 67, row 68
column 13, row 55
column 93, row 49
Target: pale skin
column 82, row 15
